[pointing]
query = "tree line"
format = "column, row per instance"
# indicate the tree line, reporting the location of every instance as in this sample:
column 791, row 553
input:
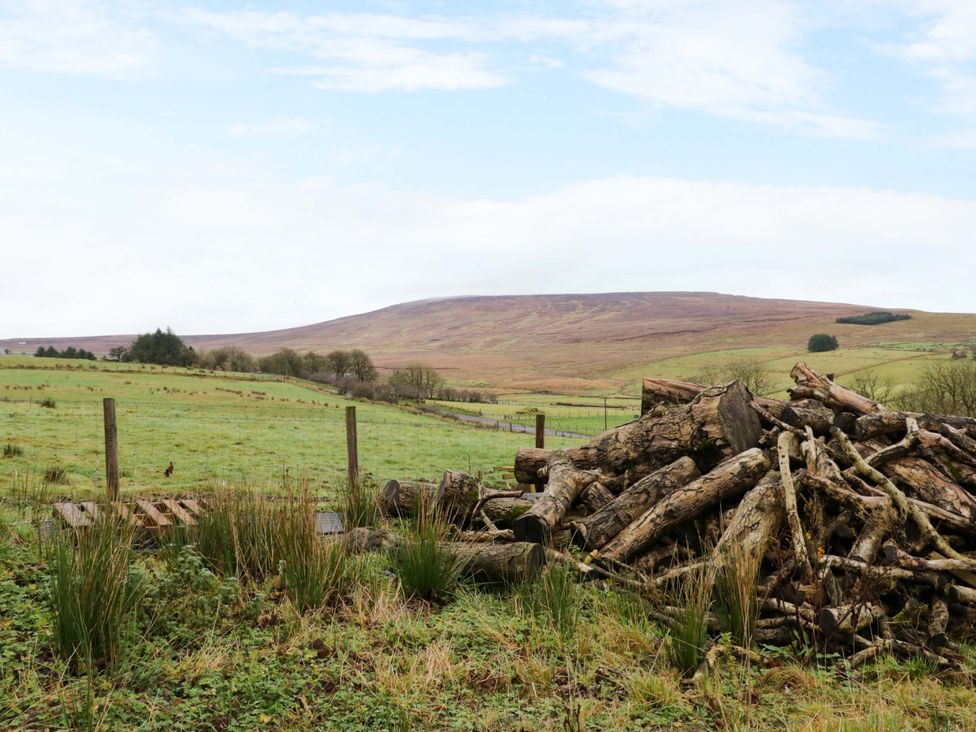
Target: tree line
column 69, row 352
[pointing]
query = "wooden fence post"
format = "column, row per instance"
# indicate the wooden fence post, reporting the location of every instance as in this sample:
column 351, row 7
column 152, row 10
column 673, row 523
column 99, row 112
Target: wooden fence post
column 352, row 448
column 540, row 430
column 111, row 449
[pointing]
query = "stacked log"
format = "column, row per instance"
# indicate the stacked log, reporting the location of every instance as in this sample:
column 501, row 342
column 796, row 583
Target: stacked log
column 861, row 520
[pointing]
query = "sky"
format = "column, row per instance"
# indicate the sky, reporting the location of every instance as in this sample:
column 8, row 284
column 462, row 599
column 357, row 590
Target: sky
column 234, row 166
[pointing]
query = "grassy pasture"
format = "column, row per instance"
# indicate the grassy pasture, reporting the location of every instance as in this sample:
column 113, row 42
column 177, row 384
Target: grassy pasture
column 209, row 652
column 222, row 427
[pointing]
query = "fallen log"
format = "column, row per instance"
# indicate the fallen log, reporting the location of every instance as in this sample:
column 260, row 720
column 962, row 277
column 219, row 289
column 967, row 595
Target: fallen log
column 459, row 497
column 754, row 524
column 893, row 423
column 595, row 530
column 728, row 480
column 499, row 562
column 811, row 385
column 667, row 391
column 717, row 424
column 400, row 498
column 564, row 486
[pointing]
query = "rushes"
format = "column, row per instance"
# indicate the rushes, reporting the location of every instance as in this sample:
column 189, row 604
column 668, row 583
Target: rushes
column 555, row 598
column 92, row 592
column 736, row 601
column 246, row 535
column 427, row 571
column 689, row 630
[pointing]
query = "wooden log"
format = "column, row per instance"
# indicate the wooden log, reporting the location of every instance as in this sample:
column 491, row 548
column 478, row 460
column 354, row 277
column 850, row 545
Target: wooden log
column 877, row 526
column 811, row 385
column 565, row 483
column 893, row 423
column 938, row 620
column 401, row 498
column 849, row 619
column 755, row 522
column 899, row 499
column 800, row 414
column 595, row 530
column 456, row 496
column 595, row 497
column 922, row 480
column 667, row 391
column 787, row 443
column 728, row 480
column 719, row 423
column 503, row 562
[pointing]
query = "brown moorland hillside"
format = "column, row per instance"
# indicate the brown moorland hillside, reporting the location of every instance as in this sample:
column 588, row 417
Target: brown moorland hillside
column 570, row 341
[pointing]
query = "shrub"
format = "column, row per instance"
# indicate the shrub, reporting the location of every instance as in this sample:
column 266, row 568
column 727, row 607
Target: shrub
column 92, row 593
column 12, row 451
column 943, row 388
column 163, row 348
column 427, row 571
column 875, row 318
column 822, row 342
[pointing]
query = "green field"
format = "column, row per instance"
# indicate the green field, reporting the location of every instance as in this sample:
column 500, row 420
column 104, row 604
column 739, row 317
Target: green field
column 207, row 652
column 222, row 427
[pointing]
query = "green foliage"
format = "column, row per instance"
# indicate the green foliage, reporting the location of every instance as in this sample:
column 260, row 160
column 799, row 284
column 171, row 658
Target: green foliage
column 821, row 342
column 162, row 348
column 93, row 592
column 427, row 571
column 359, row 507
column 238, row 534
column 69, row 352
column 185, row 599
column 874, row 318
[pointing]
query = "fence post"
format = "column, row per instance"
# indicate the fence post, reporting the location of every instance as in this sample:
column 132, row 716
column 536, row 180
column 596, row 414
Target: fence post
column 352, row 448
column 540, row 430
column 111, row 449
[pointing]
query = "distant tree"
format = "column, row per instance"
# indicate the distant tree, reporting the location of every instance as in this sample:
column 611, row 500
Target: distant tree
column 874, row 318
column 361, row 366
column 286, row 362
column 163, row 348
column 822, row 342
column 313, row 363
column 226, row 358
column 339, row 364
column 416, row 380
column 117, row 353
column 41, row 352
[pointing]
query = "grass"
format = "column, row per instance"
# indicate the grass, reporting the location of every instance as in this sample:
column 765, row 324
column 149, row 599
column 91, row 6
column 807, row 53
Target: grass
column 688, row 639
column 736, row 594
column 426, row 570
column 92, row 594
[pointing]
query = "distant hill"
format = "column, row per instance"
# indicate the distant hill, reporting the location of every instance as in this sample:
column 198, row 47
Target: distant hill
column 570, row 341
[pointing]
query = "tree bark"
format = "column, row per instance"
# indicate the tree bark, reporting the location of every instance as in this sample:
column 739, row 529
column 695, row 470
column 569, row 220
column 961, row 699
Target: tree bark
column 925, row 482
column 755, row 522
column 727, row 480
column 893, row 423
column 719, row 423
column 566, row 482
column 503, row 562
column 595, row 530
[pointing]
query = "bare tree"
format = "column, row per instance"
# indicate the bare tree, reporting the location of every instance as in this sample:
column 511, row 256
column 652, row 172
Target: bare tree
column 416, row 380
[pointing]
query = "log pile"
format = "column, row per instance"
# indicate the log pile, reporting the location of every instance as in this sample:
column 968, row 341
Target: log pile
column 861, row 520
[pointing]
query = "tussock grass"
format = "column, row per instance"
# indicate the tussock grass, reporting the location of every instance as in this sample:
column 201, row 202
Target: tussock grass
column 555, row 598
column 736, row 599
column 359, row 506
column 56, row 474
column 688, row 638
column 427, row 571
column 93, row 593
column 243, row 534
column 11, row 450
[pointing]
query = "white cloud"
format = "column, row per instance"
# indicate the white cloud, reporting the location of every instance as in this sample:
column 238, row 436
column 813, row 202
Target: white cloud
column 217, row 255
column 279, row 126
column 74, row 37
